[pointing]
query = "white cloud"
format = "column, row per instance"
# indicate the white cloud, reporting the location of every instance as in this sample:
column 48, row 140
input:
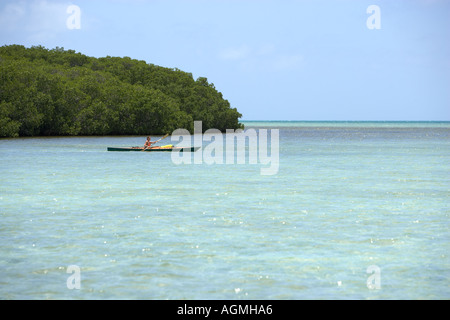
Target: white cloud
column 12, row 15
column 38, row 20
column 284, row 62
column 235, row 53
column 264, row 57
column 266, row 49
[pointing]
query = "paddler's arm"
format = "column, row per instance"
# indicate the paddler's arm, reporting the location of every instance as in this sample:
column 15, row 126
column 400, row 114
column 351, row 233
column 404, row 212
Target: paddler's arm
column 149, row 144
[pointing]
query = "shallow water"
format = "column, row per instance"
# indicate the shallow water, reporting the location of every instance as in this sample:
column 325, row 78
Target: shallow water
column 347, row 196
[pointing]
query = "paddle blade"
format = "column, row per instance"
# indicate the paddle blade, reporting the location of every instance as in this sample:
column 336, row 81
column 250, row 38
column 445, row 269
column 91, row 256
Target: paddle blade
column 163, row 137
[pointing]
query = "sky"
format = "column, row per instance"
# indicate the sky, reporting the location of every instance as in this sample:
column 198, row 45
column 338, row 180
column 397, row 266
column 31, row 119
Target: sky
column 353, row 60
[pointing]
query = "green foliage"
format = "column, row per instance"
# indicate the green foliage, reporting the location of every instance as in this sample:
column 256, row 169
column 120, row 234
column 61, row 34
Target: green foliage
column 61, row 92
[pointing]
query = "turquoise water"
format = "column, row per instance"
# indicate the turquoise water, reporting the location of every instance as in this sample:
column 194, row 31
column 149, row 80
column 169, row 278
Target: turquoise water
column 347, row 196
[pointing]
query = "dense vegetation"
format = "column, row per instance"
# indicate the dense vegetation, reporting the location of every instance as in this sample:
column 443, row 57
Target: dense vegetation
column 62, row 92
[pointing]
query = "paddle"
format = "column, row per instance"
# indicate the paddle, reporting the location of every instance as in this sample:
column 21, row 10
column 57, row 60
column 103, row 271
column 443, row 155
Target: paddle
column 162, row 138
column 157, row 141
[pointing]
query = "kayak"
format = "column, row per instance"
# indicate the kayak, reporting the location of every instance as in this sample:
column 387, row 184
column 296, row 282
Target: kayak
column 161, row 149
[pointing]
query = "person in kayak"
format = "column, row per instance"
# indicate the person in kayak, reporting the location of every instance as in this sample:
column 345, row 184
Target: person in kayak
column 148, row 143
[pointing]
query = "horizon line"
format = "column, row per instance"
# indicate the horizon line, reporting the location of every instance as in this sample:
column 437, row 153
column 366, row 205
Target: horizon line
column 344, row 120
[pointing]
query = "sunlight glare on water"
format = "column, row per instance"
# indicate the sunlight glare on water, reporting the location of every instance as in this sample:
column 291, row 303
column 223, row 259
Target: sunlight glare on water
column 347, row 196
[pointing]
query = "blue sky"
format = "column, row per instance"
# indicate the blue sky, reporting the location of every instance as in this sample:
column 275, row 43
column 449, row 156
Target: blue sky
column 273, row 60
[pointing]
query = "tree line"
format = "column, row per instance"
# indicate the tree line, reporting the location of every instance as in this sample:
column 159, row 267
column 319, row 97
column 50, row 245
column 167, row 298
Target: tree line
column 57, row 92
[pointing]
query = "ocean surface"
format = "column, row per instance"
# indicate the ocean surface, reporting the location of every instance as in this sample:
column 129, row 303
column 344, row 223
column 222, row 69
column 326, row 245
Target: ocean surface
column 356, row 210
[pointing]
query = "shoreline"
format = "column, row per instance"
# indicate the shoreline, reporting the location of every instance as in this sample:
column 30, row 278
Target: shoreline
column 332, row 124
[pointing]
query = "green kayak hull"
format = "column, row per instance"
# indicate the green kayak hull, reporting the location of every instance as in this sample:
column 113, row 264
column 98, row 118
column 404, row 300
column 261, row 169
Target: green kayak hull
column 154, row 149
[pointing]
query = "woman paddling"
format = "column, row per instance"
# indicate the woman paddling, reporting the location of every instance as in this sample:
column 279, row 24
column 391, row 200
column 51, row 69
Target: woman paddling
column 148, row 143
